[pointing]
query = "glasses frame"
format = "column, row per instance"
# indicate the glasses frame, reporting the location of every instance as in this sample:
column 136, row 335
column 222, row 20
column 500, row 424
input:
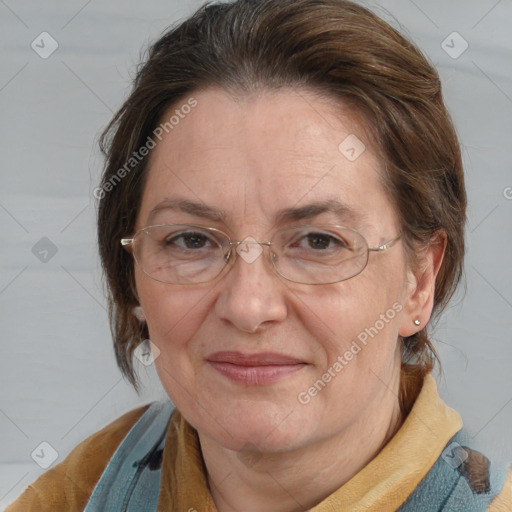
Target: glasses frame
column 127, row 244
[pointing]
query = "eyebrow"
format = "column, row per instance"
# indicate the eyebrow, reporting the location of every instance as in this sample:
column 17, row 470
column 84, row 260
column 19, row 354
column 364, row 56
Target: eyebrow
column 191, row 207
column 306, row 212
column 312, row 210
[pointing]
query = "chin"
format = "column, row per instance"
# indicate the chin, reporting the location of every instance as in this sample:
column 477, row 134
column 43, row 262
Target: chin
column 261, row 429
column 260, row 441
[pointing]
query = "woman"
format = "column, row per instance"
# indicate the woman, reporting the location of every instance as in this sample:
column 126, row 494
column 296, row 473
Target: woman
column 281, row 215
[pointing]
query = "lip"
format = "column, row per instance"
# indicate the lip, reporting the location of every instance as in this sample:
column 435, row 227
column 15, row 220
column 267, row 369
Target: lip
column 254, row 369
column 259, row 359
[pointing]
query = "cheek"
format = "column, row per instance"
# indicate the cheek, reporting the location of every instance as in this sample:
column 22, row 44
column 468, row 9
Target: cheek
column 344, row 310
column 357, row 328
column 172, row 313
column 174, row 317
column 356, row 324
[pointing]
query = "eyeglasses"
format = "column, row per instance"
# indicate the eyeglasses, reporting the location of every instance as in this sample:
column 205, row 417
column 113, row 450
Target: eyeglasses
column 307, row 254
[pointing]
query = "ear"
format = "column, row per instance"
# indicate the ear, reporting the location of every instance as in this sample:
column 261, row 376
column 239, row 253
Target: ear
column 421, row 285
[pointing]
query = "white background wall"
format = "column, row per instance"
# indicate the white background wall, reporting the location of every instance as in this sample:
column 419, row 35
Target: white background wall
column 58, row 378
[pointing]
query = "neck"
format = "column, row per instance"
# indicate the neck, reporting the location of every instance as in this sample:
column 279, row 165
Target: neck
column 294, row 481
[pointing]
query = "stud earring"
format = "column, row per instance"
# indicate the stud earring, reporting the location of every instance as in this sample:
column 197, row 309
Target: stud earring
column 417, row 322
column 139, row 313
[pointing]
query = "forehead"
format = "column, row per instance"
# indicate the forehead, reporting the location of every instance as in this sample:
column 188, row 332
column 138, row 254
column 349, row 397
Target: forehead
column 257, row 155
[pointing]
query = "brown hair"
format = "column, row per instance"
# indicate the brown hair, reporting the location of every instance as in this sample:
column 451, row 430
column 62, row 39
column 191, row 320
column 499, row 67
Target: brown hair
column 331, row 46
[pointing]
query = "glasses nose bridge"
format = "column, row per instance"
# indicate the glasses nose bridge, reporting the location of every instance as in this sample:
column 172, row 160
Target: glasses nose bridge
column 249, row 256
column 246, row 241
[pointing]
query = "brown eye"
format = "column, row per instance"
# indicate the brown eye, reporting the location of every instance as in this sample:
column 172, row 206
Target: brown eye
column 319, row 241
column 188, row 240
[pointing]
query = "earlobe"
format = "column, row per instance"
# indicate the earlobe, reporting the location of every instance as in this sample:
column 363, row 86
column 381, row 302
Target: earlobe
column 420, row 301
column 139, row 313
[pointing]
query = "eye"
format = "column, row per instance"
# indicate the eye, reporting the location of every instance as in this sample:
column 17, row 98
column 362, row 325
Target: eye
column 188, row 240
column 319, row 241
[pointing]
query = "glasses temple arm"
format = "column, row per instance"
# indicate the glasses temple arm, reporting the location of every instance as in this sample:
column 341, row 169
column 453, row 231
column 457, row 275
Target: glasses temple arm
column 385, row 245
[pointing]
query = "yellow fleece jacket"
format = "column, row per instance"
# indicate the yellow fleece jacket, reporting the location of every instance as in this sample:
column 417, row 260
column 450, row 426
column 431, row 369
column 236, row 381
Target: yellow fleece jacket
column 382, row 485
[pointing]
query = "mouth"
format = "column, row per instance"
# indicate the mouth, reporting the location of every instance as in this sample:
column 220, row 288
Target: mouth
column 254, row 369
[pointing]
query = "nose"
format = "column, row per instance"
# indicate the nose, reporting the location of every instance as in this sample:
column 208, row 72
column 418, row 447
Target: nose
column 251, row 296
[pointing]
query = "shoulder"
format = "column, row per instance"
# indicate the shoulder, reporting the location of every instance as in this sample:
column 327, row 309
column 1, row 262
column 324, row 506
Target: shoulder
column 68, row 485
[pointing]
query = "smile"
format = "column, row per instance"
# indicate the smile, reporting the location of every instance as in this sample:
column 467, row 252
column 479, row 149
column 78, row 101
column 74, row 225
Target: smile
column 255, row 369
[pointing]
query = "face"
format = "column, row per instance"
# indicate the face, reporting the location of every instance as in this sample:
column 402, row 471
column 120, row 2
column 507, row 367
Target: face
column 251, row 357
